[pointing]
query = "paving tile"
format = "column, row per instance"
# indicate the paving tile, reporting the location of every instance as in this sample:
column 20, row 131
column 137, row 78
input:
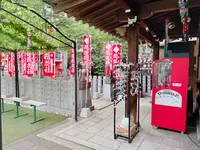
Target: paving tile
column 72, row 132
column 106, row 134
column 137, row 140
column 23, row 144
column 159, row 132
column 93, row 130
column 59, row 147
column 82, row 127
column 9, row 148
column 170, row 142
column 109, row 128
column 126, row 146
column 103, row 148
column 100, row 126
column 89, row 123
column 166, row 147
column 154, row 138
column 97, row 139
column 187, row 145
column 141, row 148
column 94, row 119
column 113, row 144
column 37, row 147
column 85, row 135
column 150, row 145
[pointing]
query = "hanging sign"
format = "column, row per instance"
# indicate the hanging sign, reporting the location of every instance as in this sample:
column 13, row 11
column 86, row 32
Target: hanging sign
column 116, row 58
column 107, row 56
column 36, row 61
column 48, row 60
column 10, row 64
column 23, row 61
column 71, row 67
column 86, row 55
column 30, row 64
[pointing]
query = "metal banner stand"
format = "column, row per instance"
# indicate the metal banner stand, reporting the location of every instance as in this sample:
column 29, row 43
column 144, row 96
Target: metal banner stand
column 125, row 90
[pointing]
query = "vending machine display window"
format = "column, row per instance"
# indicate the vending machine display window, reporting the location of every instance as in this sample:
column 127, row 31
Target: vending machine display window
column 162, row 73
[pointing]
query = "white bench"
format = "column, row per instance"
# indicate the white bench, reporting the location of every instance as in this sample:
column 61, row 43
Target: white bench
column 35, row 104
column 3, row 97
column 18, row 101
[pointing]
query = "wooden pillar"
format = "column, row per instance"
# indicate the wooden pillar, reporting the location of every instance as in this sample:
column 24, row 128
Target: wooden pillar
column 133, row 42
column 156, row 51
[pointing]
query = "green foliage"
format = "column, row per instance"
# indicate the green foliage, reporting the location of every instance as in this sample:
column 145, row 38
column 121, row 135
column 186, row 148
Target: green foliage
column 14, row 32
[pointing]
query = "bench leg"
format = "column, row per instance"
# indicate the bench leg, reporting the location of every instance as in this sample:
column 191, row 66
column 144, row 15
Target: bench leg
column 2, row 106
column 17, row 111
column 35, row 116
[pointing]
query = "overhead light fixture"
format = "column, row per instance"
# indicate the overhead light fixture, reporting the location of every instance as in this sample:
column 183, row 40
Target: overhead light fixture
column 171, row 25
column 127, row 10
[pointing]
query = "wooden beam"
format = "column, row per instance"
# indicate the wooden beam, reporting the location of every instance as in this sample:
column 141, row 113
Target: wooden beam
column 89, row 7
column 122, row 4
column 133, row 42
column 108, row 24
column 104, row 15
column 114, row 26
column 146, row 35
column 99, row 10
column 104, row 20
column 156, row 51
column 148, row 9
column 122, row 16
column 67, row 4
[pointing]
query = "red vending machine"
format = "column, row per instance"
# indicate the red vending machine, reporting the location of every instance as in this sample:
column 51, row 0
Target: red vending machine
column 169, row 93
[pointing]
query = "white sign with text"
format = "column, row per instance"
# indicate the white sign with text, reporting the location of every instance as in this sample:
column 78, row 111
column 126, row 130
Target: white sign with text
column 168, row 97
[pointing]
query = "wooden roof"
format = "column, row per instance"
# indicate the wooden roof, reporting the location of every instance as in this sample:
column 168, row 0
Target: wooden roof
column 107, row 15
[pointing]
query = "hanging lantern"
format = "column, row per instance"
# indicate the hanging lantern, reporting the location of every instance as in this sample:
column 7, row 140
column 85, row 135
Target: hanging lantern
column 29, row 41
column 185, row 19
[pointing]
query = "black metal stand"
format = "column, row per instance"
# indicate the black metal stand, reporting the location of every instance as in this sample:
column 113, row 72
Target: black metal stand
column 128, row 96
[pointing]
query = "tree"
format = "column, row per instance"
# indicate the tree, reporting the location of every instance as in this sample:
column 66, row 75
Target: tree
column 14, row 32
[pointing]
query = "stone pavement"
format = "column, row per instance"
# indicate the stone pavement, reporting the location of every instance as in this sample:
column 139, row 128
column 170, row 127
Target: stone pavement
column 97, row 133
column 33, row 142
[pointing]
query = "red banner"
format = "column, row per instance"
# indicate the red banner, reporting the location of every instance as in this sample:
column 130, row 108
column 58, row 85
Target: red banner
column 71, row 67
column 36, row 60
column 86, row 55
column 11, row 64
column 23, row 61
column 48, row 60
column 116, row 57
column 108, row 56
column 30, row 64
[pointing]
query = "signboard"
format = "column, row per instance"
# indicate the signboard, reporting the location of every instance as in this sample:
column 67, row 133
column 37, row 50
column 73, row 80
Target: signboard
column 10, row 64
column 116, row 58
column 86, row 55
column 71, row 67
column 48, row 60
column 108, row 58
column 167, row 97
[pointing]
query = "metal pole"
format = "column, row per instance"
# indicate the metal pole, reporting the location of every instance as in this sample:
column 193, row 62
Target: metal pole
column 1, row 145
column 76, row 79
column 16, row 75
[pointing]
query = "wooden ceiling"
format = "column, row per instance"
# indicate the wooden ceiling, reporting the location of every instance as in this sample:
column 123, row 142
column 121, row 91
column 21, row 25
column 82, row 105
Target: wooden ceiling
column 107, row 15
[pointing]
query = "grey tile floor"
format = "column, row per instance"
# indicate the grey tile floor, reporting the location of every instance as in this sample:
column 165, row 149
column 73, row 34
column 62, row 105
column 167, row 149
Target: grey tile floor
column 33, row 142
